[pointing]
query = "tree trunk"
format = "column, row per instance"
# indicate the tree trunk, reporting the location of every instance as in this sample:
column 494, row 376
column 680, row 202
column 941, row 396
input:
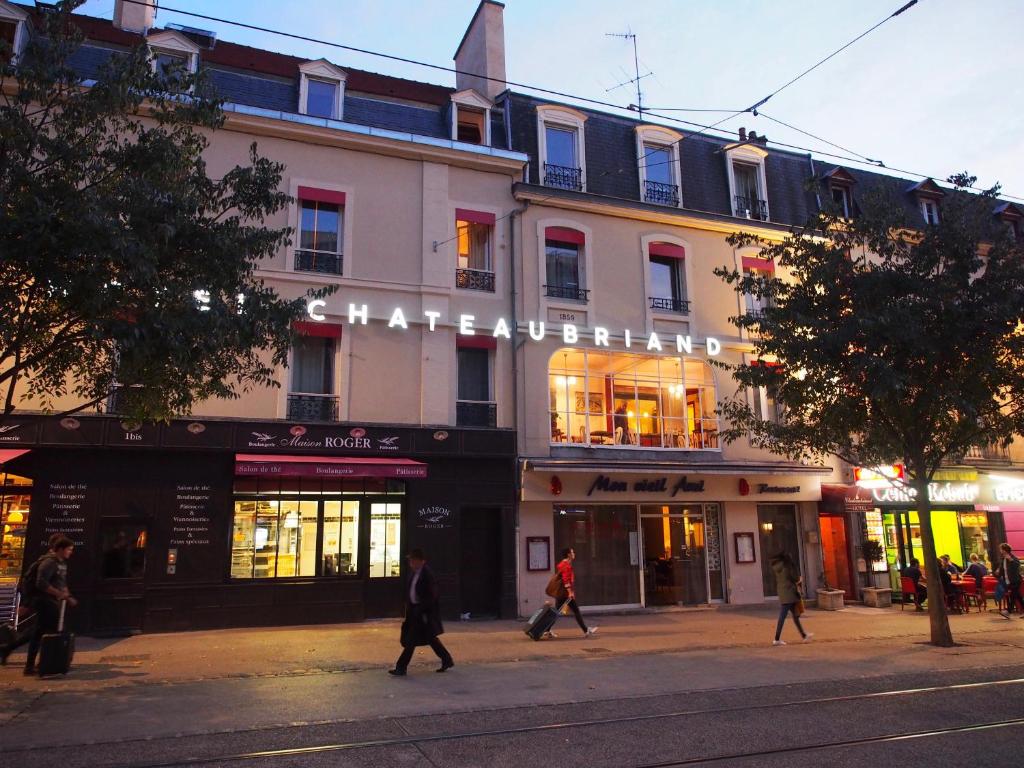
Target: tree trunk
column 941, row 634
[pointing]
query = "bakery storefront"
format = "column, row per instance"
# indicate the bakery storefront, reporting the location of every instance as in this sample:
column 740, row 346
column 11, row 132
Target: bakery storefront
column 219, row 523
column 656, row 534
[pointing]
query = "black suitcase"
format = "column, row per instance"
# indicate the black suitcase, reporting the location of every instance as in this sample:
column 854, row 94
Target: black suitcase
column 56, row 650
column 542, row 621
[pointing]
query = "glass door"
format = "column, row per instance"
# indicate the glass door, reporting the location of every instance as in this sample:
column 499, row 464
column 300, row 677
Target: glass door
column 384, row 595
column 675, row 555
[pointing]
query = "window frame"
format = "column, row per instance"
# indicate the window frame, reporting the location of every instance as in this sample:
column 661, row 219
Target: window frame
column 563, row 118
column 301, row 203
column 580, row 286
column 752, row 155
column 657, row 137
column 668, row 418
column 307, row 189
column 471, row 102
column 488, row 354
column 172, row 43
column 924, row 204
column 321, row 70
column 18, row 17
column 847, row 199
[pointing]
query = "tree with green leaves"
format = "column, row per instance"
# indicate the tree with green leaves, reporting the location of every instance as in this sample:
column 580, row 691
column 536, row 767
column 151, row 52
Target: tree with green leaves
column 123, row 263
column 888, row 342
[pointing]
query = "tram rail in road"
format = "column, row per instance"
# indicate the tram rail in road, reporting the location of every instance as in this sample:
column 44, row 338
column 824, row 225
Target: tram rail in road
column 269, row 756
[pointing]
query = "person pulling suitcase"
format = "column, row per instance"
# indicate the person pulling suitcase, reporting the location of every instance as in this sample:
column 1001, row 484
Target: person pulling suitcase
column 49, row 594
column 567, row 596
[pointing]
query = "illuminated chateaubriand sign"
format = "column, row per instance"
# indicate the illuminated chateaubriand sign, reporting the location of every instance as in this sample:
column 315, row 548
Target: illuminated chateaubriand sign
column 536, row 330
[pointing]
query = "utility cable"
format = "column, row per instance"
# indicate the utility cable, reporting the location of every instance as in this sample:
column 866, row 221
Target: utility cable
column 652, row 112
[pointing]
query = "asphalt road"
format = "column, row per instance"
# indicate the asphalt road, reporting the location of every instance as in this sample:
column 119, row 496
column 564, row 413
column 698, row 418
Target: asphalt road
column 972, row 715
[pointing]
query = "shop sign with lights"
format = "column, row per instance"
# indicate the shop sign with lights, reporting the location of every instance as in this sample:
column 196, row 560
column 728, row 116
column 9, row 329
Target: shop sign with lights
column 950, row 493
column 878, row 477
column 535, row 330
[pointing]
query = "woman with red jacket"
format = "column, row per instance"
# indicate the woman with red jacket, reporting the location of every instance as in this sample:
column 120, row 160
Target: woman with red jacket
column 568, row 595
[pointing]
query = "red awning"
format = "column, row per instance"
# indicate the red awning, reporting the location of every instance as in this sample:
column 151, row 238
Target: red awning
column 322, row 195
column 669, row 250
column 474, row 217
column 10, row 454
column 564, row 235
column 752, row 262
column 276, row 465
column 320, row 329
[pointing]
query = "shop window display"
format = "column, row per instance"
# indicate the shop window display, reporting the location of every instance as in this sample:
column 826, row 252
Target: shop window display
column 15, row 499
column 312, row 527
column 629, row 400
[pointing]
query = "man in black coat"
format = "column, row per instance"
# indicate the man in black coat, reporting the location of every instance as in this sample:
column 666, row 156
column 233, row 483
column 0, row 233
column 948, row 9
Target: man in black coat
column 422, row 623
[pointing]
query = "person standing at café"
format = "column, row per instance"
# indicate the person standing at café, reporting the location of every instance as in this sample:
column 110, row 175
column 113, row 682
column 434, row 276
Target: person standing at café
column 1010, row 575
column 422, row 624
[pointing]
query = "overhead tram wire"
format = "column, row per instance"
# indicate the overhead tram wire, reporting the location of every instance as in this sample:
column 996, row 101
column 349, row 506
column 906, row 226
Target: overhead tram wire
column 653, row 112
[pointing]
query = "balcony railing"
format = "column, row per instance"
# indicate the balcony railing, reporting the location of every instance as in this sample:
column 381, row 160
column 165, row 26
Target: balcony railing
column 566, row 292
column 750, row 208
column 670, row 305
column 475, row 280
column 563, row 177
column 314, row 261
column 990, row 452
column 309, row 407
column 661, row 194
column 476, row 413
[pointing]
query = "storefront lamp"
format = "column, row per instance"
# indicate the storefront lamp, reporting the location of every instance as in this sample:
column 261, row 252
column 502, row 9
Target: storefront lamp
column 767, row 527
column 17, row 516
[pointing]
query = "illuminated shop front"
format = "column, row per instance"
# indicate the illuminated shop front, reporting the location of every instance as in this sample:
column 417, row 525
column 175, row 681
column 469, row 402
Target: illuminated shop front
column 221, row 523
column 660, row 534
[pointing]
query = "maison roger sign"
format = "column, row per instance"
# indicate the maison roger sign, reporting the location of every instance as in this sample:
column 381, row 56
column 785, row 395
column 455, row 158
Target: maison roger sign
column 302, row 437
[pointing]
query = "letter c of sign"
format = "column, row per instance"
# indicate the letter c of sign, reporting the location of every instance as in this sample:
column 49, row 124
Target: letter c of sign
column 312, row 308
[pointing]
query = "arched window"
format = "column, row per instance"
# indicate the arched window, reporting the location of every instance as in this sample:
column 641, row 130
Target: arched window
column 631, row 401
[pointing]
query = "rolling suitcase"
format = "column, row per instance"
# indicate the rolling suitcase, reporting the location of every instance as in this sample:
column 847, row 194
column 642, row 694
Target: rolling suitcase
column 19, row 629
column 542, row 621
column 57, row 649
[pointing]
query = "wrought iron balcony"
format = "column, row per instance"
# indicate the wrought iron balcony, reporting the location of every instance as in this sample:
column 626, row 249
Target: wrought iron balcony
column 308, row 407
column 670, row 305
column 750, row 208
column 567, row 292
column 315, row 261
column 476, row 413
column 563, row 177
column 661, row 194
column 988, row 453
column 475, row 280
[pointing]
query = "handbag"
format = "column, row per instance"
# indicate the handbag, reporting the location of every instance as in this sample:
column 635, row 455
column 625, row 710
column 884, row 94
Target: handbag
column 555, row 585
column 799, row 607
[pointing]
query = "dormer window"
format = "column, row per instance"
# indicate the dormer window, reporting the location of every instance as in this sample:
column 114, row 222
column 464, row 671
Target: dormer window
column 658, row 164
column 322, row 89
column 747, row 184
column 1012, row 217
column 171, row 52
column 13, row 30
column 929, row 195
column 560, row 140
column 840, row 183
column 841, row 200
column 930, row 211
column 471, row 118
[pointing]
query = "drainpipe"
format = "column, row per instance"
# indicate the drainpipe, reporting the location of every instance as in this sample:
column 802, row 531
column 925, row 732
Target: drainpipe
column 514, row 294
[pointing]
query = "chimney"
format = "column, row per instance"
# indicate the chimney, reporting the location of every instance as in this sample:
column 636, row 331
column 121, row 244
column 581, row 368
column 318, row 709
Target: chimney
column 138, row 16
column 482, row 51
column 743, row 134
column 752, row 136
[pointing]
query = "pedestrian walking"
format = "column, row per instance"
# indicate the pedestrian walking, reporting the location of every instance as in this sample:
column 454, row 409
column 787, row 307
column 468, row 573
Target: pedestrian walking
column 567, row 597
column 422, row 624
column 46, row 591
column 788, row 582
column 1010, row 575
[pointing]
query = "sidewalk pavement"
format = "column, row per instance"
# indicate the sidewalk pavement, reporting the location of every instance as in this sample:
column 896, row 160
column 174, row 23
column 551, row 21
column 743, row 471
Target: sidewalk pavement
column 290, row 651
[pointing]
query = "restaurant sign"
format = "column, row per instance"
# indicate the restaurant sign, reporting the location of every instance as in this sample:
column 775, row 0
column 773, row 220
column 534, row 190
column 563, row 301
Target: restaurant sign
column 303, row 437
column 655, row 485
column 949, row 493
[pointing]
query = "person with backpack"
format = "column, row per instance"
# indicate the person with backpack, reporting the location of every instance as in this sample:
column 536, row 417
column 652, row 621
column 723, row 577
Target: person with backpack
column 44, row 586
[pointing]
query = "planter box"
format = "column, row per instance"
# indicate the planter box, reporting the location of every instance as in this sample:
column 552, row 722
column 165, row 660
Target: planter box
column 830, row 599
column 878, row 597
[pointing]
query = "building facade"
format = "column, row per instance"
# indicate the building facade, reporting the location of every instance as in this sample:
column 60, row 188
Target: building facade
column 520, row 358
